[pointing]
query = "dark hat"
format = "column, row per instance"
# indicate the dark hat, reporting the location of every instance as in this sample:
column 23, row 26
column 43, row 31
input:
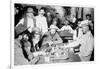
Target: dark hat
column 20, row 28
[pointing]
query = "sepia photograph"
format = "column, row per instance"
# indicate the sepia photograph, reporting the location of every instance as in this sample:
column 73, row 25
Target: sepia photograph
column 48, row 34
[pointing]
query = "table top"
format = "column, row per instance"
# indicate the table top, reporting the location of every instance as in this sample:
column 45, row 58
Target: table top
column 72, row 58
column 65, row 34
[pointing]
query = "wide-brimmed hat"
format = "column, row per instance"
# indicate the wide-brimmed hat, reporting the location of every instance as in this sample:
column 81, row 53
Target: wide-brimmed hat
column 83, row 25
column 30, row 10
column 20, row 29
column 52, row 27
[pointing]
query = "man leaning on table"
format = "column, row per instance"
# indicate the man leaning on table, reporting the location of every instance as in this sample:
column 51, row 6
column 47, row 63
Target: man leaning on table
column 86, row 42
column 51, row 37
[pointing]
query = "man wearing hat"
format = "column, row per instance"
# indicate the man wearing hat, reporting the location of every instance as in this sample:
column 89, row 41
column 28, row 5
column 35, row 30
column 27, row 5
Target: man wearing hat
column 41, row 21
column 27, row 22
column 86, row 42
column 35, row 36
column 52, row 37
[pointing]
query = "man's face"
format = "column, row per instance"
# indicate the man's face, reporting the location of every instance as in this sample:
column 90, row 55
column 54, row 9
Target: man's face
column 48, row 14
column 79, row 22
column 26, row 36
column 16, row 10
column 20, row 37
column 85, row 29
column 66, row 22
column 54, row 23
column 41, row 12
column 37, row 36
column 52, row 31
column 88, row 18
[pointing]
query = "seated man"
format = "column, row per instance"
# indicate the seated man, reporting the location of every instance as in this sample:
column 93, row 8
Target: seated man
column 51, row 37
column 19, row 58
column 67, row 27
column 54, row 24
column 26, row 46
column 35, row 37
column 86, row 42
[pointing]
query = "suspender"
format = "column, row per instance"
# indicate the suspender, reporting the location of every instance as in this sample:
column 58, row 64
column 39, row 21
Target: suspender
column 77, row 31
column 25, row 22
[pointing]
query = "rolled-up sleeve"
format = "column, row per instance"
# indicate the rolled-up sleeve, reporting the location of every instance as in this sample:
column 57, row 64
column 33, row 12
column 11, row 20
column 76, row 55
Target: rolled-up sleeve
column 20, row 22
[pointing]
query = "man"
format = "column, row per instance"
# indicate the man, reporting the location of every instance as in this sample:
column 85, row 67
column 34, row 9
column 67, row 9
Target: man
column 86, row 42
column 36, row 36
column 67, row 27
column 73, row 18
column 49, row 18
column 54, row 24
column 78, row 31
column 18, row 13
column 73, row 21
column 88, row 21
column 41, row 21
column 19, row 58
column 28, row 22
column 26, row 46
column 51, row 38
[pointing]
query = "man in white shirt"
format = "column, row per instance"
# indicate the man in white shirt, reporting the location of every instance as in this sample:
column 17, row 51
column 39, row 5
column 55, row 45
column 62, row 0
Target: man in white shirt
column 41, row 21
column 87, row 43
column 28, row 21
column 54, row 24
column 67, row 27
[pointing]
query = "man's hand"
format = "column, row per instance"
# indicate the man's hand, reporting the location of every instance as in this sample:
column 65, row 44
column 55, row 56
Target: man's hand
column 50, row 43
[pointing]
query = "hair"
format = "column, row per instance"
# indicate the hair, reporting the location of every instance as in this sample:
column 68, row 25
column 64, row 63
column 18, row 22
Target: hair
column 88, row 15
column 80, row 19
column 42, row 9
column 33, row 33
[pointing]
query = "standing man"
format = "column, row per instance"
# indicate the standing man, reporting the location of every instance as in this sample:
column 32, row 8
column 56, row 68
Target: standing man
column 27, row 22
column 49, row 18
column 86, row 42
column 41, row 21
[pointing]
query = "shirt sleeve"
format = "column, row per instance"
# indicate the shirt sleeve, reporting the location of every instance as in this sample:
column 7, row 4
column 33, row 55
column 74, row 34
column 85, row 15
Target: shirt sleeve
column 45, row 28
column 69, row 28
column 89, row 44
column 20, row 22
column 37, row 22
column 74, row 43
column 62, row 29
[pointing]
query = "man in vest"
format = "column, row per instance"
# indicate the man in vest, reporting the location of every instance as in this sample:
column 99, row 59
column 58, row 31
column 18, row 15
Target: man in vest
column 27, row 22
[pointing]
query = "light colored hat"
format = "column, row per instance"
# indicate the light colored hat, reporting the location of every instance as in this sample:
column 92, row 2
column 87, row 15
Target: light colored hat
column 53, row 27
column 30, row 10
column 84, row 25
